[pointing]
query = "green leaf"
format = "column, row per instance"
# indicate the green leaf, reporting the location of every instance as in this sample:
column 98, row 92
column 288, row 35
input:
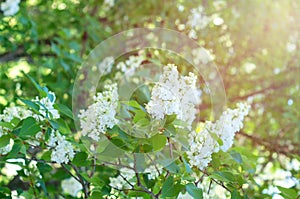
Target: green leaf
column 46, row 156
column 173, row 168
column 170, row 119
column 142, row 94
column 287, row 193
column 235, row 195
column 63, row 126
column 64, row 110
column 158, row 142
column 80, row 159
column 224, row 176
column 17, row 147
column 55, row 48
column 42, row 91
column 4, row 140
column 6, row 125
column 42, row 184
column 31, row 104
column 134, row 104
column 54, row 124
column 139, row 115
column 95, row 195
column 142, row 122
column 194, row 191
column 169, row 189
column 134, row 194
column 29, row 127
column 236, row 156
column 43, row 167
column 216, row 137
column 170, row 130
column 96, row 180
column 187, row 166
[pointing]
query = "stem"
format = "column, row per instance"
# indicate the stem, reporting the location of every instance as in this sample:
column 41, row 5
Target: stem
column 69, row 172
column 139, row 181
column 82, row 181
column 171, row 147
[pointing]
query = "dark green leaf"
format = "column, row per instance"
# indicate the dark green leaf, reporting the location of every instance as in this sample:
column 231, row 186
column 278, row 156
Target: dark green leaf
column 43, row 167
column 64, row 110
column 29, row 127
column 235, row 195
column 194, row 191
column 168, row 188
column 41, row 90
column 80, row 159
column 31, row 104
column 54, row 124
column 95, row 195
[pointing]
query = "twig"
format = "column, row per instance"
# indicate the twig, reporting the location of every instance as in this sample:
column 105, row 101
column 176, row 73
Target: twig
column 69, row 172
column 82, row 181
column 139, row 181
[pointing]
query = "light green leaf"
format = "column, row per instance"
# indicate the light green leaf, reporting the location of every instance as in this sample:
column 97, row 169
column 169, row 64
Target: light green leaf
column 6, row 125
column 287, row 193
column 158, row 142
column 224, row 176
column 236, row 156
column 4, row 140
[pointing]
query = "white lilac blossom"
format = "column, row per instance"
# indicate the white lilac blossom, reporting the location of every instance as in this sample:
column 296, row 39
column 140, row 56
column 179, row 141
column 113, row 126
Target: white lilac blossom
column 101, row 114
column 71, row 186
column 6, row 149
column 202, row 145
column 230, row 122
column 106, row 65
column 174, row 94
column 9, row 113
column 37, row 140
column 197, row 20
column 62, row 150
column 119, row 182
column 130, row 65
column 203, row 142
column 10, row 7
column 46, row 107
column 153, row 171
